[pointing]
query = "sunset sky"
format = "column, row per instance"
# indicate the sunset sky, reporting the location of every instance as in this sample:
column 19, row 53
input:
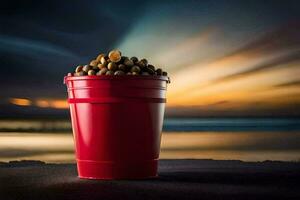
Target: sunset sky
column 225, row 58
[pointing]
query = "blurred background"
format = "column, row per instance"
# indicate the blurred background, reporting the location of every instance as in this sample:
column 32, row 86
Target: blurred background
column 234, row 68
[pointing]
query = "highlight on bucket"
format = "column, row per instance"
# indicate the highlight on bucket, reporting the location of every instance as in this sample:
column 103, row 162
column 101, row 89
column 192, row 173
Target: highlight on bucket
column 117, row 108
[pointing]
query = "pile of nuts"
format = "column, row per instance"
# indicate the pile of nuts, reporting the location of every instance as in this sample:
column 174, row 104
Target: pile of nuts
column 116, row 64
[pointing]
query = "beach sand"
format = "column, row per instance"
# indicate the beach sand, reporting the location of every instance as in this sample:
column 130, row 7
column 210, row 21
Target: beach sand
column 178, row 179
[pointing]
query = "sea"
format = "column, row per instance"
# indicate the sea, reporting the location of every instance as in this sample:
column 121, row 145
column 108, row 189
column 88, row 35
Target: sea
column 246, row 139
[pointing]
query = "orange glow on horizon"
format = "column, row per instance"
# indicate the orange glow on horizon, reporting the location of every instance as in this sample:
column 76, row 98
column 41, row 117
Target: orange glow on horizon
column 52, row 103
column 235, row 81
column 59, row 104
column 20, row 101
column 42, row 103
column 259, row 86
column 261, row 73
column 211, row 70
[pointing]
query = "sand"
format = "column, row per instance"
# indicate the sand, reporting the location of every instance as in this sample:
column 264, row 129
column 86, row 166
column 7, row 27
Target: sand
column 178, row 179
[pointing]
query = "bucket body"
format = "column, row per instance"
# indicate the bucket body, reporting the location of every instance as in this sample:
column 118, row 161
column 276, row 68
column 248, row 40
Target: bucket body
column 117, row 123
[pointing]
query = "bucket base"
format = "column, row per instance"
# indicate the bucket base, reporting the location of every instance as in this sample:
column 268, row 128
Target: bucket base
column 109, row 170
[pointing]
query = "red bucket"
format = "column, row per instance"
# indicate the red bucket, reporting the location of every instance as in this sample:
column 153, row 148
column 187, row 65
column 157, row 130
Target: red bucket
column 117, row 122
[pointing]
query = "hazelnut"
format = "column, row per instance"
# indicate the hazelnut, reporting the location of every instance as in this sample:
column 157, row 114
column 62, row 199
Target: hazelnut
column 86, row 68
column 134, row 59
column 128, row 62
column 141, row 64
column 99, row 57
column 79, row 68
column 123, row 58
column 94, row 63
column 149, row 70
column 114, row 56
column 122, row 67
column 101, row 66
column 119, row 72
column 95, row 68
column 109, row 72
column 159, row 71
column 102, row 71
column 145, row 73
column 135, row 69
column 81, row 73
column 116, row 64
column 103, row 60
column 144, row 61
column 112, row 66
column 151, row 67
column 91, row 72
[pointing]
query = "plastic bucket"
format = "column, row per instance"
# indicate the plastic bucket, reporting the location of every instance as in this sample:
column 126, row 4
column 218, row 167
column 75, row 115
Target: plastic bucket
column 117, row 122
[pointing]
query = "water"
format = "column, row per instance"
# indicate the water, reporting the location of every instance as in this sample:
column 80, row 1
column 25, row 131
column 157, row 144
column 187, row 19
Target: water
column 175, row 124
column 232, row 124
column 229, row 139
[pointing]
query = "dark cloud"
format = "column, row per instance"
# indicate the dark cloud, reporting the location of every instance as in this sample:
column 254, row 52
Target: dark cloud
column 285, row 40
column 277, row 62
column 282, row 38
column 289, row 84
column 217, row 103
column 40, row 41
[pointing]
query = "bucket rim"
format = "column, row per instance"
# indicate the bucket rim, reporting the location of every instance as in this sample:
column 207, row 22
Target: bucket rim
column 113, row 77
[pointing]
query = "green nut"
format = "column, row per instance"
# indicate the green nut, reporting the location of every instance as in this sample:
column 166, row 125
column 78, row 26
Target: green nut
column 109, row 72
column 91, row 72
column 136, row 69
column 112, row 66
column 165, row 74
column 119, row 72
